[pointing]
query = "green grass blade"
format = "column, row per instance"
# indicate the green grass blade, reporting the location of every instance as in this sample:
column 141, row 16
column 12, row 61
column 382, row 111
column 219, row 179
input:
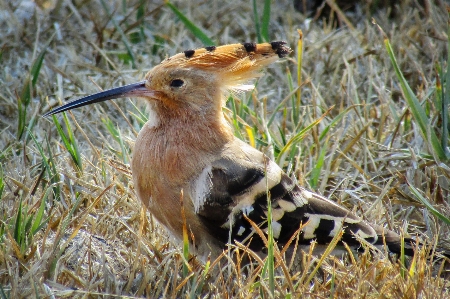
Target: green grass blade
column 299, row 136
column 52, row 172
column 446, row 99
column 61, row 132
column 235, row 121
column 41, row 151
column 282, row 104
column 69, row 140
column 265, row 24
column 40, row 214
column 294, row 107
column 185, row 238
column 111, row 128
column 2, row 182
column 116, row 134
column 262, row 29
column 28, row 223
column 22, row 114
column 256, row 21
column 29, row 127
column 205, row 273
column 299, row 66
column 315, row 173
column 438, row 86
column 141, row 121
column 141, row 117
column 334, row 122
column 402, row 256
column 49, row 165
column 198, row 33
column 416, row 108
column 18, row 223
column 427, row 204
column 74, row 151
column 6, row 152
column 25, row 95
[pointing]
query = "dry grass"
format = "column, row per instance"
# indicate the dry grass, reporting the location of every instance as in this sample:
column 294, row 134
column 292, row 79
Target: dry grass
column 71, row 231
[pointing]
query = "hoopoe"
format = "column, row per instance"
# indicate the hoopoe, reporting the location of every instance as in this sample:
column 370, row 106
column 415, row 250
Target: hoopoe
column 188, row 148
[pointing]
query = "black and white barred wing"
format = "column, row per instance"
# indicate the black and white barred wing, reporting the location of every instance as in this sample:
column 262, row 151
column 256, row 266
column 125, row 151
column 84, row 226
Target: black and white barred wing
column 243, row 180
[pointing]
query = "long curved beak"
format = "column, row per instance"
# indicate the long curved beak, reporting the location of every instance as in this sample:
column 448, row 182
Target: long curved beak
column 131, row 90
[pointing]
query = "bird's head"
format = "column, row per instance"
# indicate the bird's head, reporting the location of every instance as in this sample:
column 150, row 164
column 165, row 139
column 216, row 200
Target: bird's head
column 193, row 81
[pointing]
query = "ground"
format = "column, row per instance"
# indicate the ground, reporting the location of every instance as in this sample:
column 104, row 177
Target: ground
column 71, row 225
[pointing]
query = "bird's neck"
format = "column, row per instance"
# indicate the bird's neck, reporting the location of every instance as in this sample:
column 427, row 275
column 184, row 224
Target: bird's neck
column 178, row 147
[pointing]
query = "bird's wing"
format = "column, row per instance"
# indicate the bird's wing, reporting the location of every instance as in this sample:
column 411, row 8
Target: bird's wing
column 241, row 181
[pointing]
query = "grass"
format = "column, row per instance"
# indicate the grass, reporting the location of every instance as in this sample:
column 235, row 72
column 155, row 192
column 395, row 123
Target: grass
column 25, row 96
column 356, row 114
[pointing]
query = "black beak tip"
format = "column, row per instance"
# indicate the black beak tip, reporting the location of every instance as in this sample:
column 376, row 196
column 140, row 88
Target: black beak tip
column 48, row 114
column 110, row 94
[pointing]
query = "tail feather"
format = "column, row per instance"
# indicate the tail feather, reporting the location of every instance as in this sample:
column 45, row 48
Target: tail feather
column 393, row 242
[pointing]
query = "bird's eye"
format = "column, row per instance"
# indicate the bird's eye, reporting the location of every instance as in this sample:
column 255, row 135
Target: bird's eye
column 177, row 83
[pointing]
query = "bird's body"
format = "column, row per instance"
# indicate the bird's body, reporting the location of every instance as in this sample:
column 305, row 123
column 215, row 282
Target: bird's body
column 188, row 152
column 165, row 164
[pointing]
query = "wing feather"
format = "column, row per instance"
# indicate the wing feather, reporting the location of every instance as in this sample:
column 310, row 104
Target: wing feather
column 242, row 180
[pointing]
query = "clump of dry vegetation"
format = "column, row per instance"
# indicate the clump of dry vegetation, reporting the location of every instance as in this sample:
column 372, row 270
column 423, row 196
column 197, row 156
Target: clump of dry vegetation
column 71, row 225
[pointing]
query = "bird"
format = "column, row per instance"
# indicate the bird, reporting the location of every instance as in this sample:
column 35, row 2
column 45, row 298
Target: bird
column 187, row 150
